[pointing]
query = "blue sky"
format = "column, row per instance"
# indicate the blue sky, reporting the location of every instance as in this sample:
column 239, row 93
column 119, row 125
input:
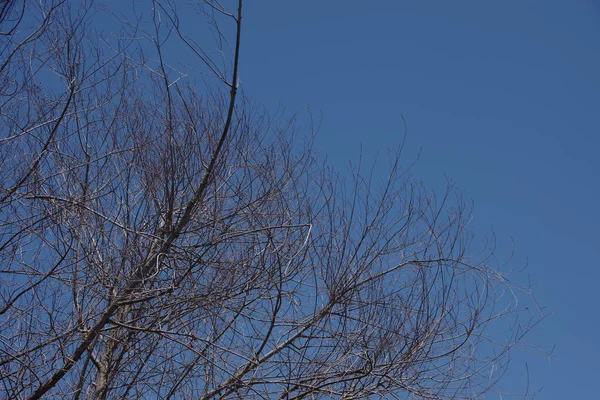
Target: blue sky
column 503, row 97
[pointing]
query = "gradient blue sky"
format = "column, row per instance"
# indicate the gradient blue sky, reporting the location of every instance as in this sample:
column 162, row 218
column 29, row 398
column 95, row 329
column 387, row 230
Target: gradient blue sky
column 501, row 96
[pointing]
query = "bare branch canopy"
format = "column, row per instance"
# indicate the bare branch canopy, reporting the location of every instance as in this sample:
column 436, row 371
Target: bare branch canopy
column 162, row 236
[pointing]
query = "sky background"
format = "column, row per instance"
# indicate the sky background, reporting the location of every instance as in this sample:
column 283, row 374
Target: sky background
column 503, row 97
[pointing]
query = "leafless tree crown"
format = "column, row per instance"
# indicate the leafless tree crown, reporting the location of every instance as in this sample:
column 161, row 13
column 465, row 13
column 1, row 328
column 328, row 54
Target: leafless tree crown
column 164, row 237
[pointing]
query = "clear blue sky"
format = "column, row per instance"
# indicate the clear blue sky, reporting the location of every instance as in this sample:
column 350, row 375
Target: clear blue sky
column 503, row 97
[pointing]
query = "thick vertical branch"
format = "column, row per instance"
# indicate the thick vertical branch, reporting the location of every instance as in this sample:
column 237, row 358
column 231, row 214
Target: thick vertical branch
column 209, row 173
column 165, row 246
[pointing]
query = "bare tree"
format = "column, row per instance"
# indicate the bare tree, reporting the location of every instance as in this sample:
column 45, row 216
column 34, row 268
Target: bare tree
column 163, row 238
